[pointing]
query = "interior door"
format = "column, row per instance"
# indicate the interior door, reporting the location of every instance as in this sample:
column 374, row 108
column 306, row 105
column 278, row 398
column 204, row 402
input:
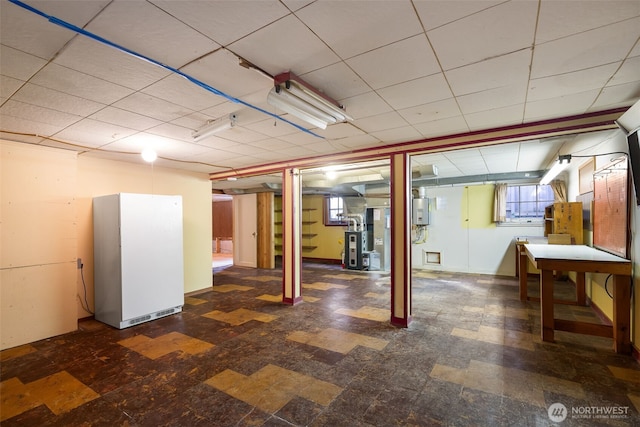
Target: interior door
column 245, row 230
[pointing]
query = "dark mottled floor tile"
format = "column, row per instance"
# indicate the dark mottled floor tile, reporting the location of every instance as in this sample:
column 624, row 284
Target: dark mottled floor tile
column 428, row 374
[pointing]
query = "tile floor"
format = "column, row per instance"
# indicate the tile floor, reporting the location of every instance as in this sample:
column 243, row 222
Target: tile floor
column 237, row 357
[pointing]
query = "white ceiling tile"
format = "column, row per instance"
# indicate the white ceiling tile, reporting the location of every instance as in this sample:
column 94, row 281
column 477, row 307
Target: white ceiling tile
column 34, row 34
column 246, row 149
column 151, row 106
column 222, row 110
column 563, row 18
column 242, row 135
column 285, row 45
column 118, row 116
column 337, row 81
column 301, row 138
column 391, row 136
column 296, row 4
column 24, row 126
column 356, row 142
column 365, row 105
column 221, row 70
column 548, row 108
column 628, row 72
column 58, row 101
column 37, row 113
column 351, row 29
column 225, row 21
column 147, row 30
column 616, row 96
column 164, row 147
column 408, row 59
column 215, row 156
column 17, row 64
column 505, row 116
column 107, row 63
column 180, row 91
column 492, row 99
column 585, row 50
column 434, row 128
column 272, row 144
column 339, row 130
column 169, row 130
column 566, row 84
column 93, row 133
column 504, row 70
column 8, row 86
column 435, row 13
column 271, row 127
column 416, row 92
column 431, row 112
column 79, row 84
column 390, row 120
column 496, row 31
column 217, row 141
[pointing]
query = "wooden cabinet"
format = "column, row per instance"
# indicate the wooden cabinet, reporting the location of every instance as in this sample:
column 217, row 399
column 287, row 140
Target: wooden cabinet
column 564, row 218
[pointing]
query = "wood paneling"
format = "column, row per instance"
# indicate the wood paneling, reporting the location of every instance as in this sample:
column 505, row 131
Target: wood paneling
column 222, row 219
column 266, row 258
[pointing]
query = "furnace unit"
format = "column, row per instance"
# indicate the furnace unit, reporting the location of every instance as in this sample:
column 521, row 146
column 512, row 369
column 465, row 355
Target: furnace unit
column 354, row 242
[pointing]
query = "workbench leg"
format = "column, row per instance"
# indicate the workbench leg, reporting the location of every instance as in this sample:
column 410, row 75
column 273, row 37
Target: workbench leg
column 523, row 264
column 546, row 305
column 621, row 314
column 581, row 294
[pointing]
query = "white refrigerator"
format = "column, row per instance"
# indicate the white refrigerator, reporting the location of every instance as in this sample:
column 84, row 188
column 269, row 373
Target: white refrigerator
column 138, row 258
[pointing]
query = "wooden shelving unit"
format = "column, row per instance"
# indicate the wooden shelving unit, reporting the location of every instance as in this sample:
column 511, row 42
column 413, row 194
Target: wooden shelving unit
column 307, row 225
column 564, row 218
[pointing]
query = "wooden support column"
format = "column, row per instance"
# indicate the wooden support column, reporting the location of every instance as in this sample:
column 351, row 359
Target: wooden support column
column 621, row 314
column 266, row 258
column 401, row 239
column 291, row 234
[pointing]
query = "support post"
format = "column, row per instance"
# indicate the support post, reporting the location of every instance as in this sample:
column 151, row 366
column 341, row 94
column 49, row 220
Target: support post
column 401, row 199
column 291, row 232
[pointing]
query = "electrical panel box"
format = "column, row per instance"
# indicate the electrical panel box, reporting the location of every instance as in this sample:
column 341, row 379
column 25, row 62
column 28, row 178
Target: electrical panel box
column 420, row 211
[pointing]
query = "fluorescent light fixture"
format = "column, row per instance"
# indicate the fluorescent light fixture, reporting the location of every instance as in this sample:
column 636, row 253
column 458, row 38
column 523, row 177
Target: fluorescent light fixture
column 214, row 126
column 561, row 164
column 293, row 95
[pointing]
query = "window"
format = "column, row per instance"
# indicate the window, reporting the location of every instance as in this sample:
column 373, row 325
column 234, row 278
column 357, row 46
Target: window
column 333, row 209
column 526, row 203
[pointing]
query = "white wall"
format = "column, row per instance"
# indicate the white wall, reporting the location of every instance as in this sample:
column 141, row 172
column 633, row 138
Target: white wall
column 462, row 232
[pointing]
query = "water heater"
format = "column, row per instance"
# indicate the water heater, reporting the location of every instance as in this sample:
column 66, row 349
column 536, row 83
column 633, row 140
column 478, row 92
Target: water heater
column 420, row 211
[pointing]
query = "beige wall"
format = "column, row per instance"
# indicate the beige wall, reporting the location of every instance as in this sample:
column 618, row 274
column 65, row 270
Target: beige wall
column 98, row 177
column 46, row 221
column 38, row 242
column 329, row 240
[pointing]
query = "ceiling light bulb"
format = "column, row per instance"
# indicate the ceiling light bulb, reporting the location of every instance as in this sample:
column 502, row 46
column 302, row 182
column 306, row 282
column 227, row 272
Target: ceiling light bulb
column 149, row 155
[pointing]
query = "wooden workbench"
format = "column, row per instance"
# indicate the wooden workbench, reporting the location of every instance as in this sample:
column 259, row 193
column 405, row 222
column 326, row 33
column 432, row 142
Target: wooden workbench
column 580, row 259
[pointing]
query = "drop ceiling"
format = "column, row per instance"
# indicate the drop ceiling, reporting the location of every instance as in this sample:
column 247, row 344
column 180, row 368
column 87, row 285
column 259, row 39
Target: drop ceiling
column 404, row 70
